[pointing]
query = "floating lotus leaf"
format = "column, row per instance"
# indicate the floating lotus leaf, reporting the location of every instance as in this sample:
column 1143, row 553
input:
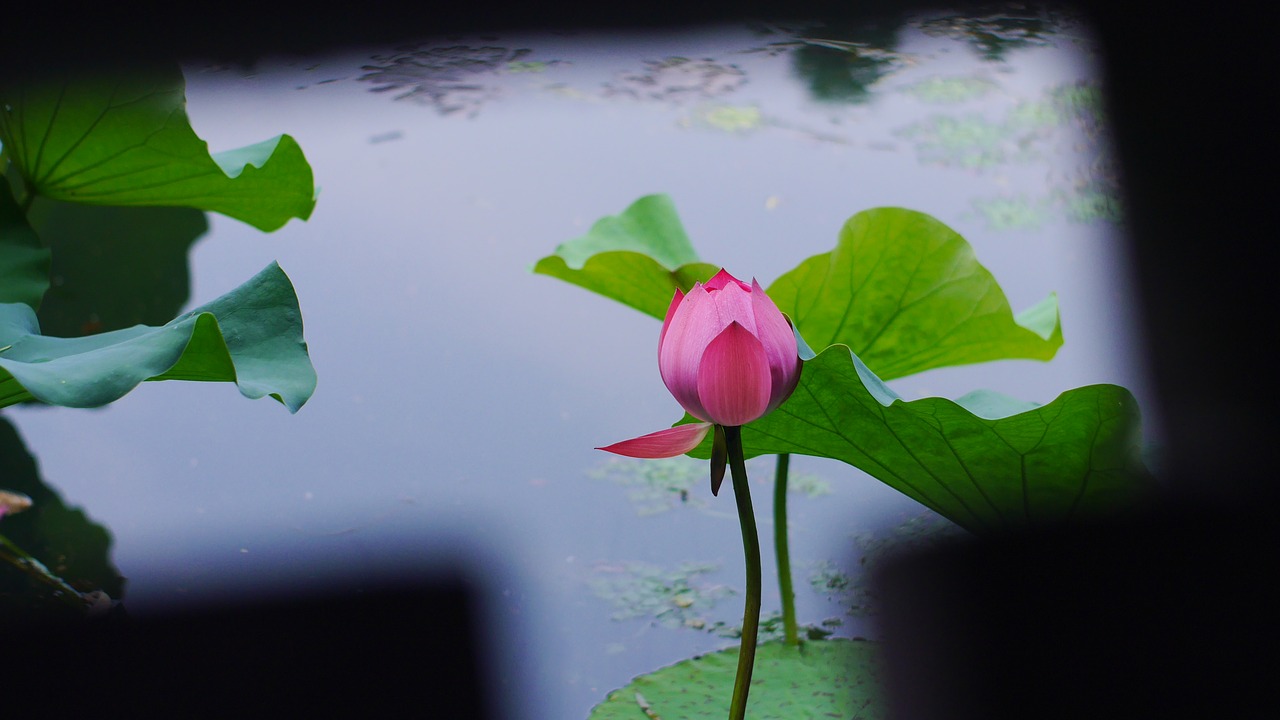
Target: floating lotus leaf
column 819, row 679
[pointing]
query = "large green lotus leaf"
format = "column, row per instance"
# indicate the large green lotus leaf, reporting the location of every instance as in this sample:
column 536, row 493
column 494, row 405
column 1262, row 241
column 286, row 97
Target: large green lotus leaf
column 124, row 139
column 987, row 462
column 24, row 262
column 251, row 336
column 819, row 679
column 114, row 267
column 907, row 294
column 638, row 258
column 70, row 545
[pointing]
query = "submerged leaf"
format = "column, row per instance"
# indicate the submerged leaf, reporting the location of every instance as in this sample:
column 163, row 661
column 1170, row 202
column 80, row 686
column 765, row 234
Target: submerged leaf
column 115, row 266
column 907, row 294
column 124, row 139
column 987, row 462
column 821, row 678
column 251, row 336
column 638, row 258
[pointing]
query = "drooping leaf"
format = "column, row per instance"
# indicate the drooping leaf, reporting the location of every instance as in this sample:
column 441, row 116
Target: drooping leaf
column 124, row 139
column 114, row 267
column 907, row 294
column 986, row 462
column 638, row 258
column 64, row 539
column 819, row 679
column 24, row 262
column 251, row 336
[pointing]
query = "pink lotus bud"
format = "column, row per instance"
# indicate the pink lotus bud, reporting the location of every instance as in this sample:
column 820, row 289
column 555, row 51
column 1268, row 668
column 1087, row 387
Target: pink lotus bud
column 727, row 354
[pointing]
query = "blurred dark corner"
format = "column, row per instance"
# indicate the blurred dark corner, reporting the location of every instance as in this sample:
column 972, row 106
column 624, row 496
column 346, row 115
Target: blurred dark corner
column 1160, row 612
column 358, row 648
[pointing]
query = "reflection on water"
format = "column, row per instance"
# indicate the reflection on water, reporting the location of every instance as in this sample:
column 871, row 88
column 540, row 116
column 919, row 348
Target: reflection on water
column 456, row 79
column 993, row 34
column 843, row 70
column 460, row 396
column 677, row 79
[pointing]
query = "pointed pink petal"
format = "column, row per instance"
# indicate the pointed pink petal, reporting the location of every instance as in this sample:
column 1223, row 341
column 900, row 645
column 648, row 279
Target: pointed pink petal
column 692, row 327
column 734, row 384
column 781, row 392
column 662, row 444
column 671, row 311
column 779, row 342
column 734, row 304
column 723, row 279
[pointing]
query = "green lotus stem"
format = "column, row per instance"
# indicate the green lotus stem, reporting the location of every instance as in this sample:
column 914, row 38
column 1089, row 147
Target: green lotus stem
column 783, row 551
column 751, row 547
column 21, row 560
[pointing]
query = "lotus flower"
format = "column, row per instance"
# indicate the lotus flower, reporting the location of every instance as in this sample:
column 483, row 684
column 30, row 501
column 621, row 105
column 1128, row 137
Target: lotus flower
column 728, row 356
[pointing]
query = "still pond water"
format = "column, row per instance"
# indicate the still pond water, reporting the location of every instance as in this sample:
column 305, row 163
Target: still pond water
column 460, row 396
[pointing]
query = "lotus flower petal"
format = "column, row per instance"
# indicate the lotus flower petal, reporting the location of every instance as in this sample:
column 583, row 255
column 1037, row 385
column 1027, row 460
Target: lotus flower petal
column 779, row 342
column 671, row 311
column 723, row 279
column 692, row 327
column 734, row 383
column 734, row 304
column 662, row 444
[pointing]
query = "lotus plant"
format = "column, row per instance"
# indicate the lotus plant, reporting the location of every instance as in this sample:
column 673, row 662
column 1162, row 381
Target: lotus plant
column 728, row 356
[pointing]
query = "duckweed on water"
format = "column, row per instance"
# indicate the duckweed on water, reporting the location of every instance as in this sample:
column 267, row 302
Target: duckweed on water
column 727, row 118
column 947, row 90
column 853, row 591
column 671, row 598
column 1012, row 213
column 656, row 486
column 773, row 630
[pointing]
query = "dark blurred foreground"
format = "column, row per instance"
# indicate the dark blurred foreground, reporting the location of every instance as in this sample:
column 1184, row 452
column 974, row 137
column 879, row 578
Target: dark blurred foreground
column 404, row 650
column 1171, row 614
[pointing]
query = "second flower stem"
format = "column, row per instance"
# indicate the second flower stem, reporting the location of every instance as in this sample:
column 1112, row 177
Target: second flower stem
column 751, row 548
column 783, row 552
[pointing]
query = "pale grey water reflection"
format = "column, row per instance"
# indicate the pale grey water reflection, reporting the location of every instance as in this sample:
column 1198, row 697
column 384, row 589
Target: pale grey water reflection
column 460, row 396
